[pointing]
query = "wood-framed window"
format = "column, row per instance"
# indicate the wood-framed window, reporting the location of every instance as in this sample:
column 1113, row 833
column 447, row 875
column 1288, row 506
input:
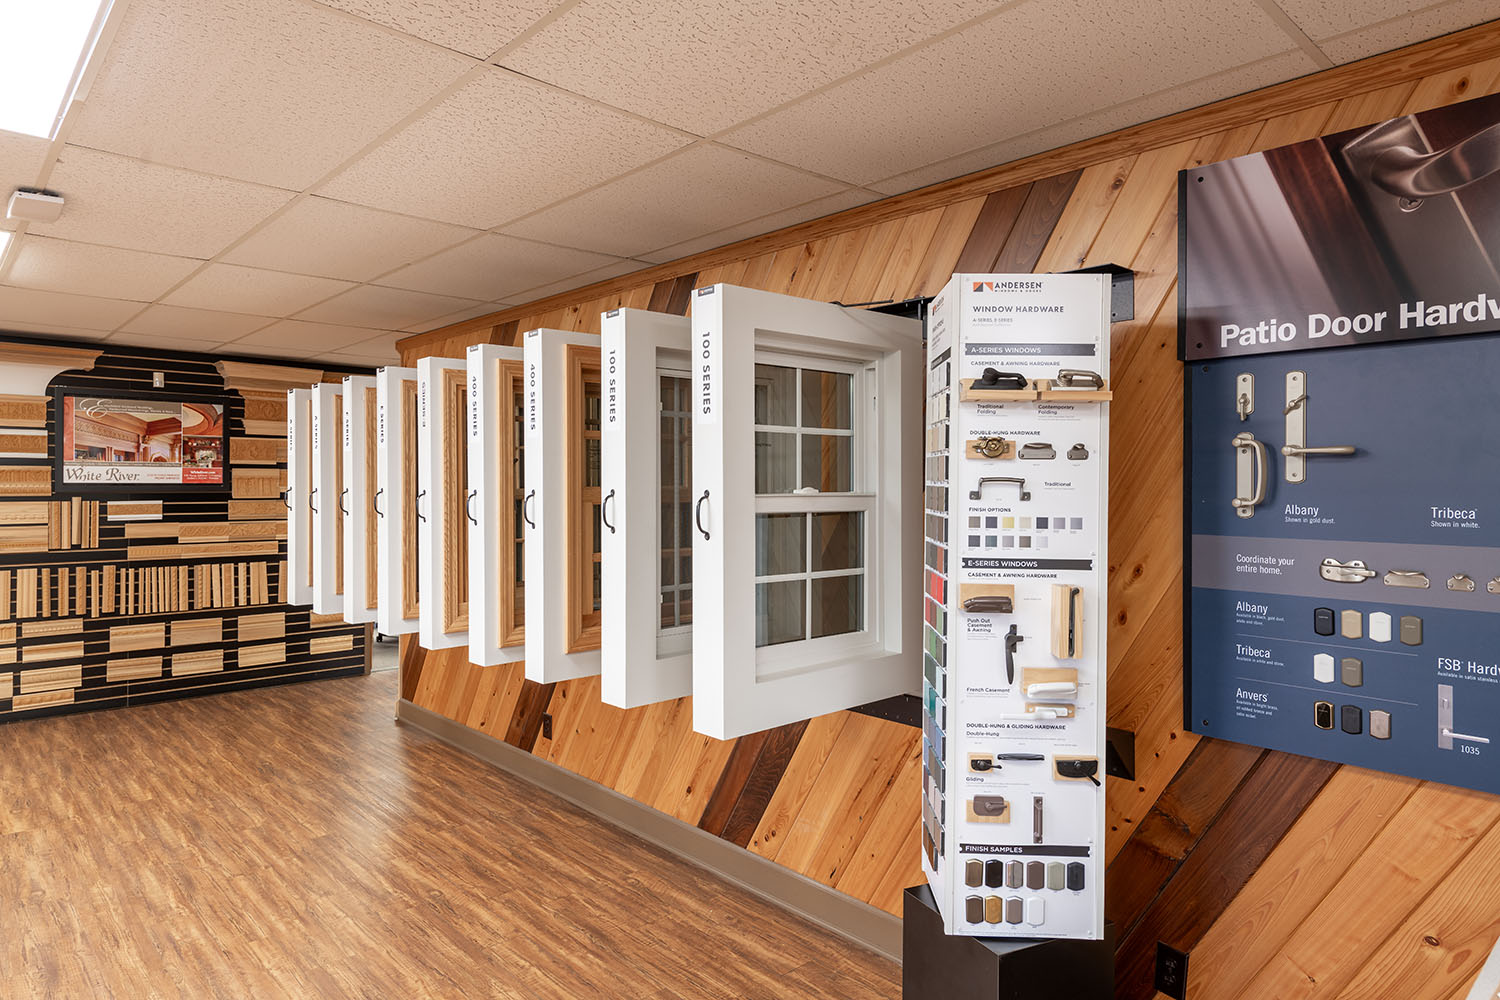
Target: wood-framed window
column 398, row 584
column 360, row 547
column 497, row 633
column 298, row 497
column 806, row 597
column 442, row 502
column 583, row 439
column 369, row 542
column 454, row 403
column 327, row 498
column 411, row 507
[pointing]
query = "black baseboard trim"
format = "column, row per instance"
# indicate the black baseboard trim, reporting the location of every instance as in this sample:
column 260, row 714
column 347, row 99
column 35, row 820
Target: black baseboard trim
column 846, row 916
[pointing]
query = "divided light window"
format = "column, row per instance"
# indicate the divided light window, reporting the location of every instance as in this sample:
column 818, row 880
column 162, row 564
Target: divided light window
column 512, row 499
column 584, row 432
column 675, row 460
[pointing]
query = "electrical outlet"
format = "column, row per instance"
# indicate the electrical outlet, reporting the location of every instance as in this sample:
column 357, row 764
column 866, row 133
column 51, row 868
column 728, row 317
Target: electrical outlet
column 1171, row 971
column 546, row 725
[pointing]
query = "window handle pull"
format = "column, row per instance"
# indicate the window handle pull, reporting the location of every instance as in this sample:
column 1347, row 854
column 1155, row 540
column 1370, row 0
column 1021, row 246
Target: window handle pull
column 375, row 504
column 420, row 495
column 342, row 509
column 525, row 516
column 285, row 494
column 604, row 511
column 978, row 492
column 698, row 515
column 469, row 507
column 310, row 494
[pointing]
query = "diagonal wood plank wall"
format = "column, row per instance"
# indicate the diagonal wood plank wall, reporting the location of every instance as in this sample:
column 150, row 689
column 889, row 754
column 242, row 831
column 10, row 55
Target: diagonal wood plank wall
column 1284, row 876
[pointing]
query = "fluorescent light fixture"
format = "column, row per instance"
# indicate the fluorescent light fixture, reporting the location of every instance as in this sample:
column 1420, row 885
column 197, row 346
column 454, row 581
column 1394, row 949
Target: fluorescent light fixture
column 47, row 47
column 4, row 244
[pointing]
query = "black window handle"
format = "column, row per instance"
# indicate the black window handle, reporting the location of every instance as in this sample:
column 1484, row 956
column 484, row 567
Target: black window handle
column 604, row 511
column 310, row 494
column 375, row 503
column 525, row 516
column 469, row 507
column 342, row 509
column 420, row 495
column 285, row 497
column 698, row 514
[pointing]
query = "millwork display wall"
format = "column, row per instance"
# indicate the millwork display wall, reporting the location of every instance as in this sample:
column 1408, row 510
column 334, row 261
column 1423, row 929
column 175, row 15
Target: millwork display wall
column 1283, row 876
column 144, row 596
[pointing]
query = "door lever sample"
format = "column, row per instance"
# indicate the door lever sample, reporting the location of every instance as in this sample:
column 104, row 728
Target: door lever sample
column 1013, row 639
column 1067, row 621
column 1244, row 395
column 1037, row 451
column 1250, row 472
column 1296, row 449
column 1446, row 735
column 1407, row 578
column 1353, row 571
column 978, row 492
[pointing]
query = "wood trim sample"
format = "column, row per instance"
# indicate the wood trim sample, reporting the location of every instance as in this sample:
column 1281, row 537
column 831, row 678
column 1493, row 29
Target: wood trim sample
column 8, row 632
column 25, row 512
column 7, row 686
column 125, row 638
column 199, row 661
column 197, row 630
column 330, row 644
column 23, row 411
column 257, row 484
column 263, row 655
column 257, row 451
column 122, row 510
column 205, row 550
column 257, row 510
column 43, row 699
column 52, row 651
column 271, row 405
column 133, row 668
column 511, row 489
column 61, row 626
column 315, row 620
column 372, row 484
column 453, row 411
column 23, row 444
column 27, row 537
column 50, row 678
column 582, row 495
column 25, row 481
column 266, row 626
column 410, row 598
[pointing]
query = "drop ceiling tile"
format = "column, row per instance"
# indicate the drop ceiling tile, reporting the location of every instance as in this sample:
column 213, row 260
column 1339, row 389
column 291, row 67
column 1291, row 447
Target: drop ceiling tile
column 815, row 209
column 499, row 147
column 49, row 331
column 383, row 308
column 360, row 360
column 711, row 66
column 208, row 325
column 290, row 335
column 383, row 346
column 65, row 266
column 254, row 290
column 493, row 266
column 119, row 201
column 30, row 307
column 579, row 280
column 1009, row 75
column 697, row 191
column 21, row 158
column 1240, row 80
column 337, row 240
column 161, row 343
column 474, row 312
column 1324, row 18
column 475, row 27
column 273, row 91
column 1421, row 23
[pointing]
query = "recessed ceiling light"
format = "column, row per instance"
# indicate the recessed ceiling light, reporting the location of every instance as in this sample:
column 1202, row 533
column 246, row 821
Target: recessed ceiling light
column 49, row 45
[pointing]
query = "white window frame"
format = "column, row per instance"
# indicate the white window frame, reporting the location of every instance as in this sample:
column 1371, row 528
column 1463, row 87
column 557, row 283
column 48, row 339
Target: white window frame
column 546, row 509
column 641, row 663
column 357, row 499
column 432, row 464
column 390, row 510
column 327, row 464
column 737, row 688
column 299, row 558
column 491, row 556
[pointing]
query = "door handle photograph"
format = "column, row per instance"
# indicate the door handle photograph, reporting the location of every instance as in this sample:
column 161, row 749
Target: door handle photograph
column 1413, row 175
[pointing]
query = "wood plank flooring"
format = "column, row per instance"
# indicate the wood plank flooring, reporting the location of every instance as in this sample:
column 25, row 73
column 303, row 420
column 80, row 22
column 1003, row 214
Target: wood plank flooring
column 296, row 842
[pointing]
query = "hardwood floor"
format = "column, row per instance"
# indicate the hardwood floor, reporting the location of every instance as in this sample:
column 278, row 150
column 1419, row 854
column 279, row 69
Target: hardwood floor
column 296, row 842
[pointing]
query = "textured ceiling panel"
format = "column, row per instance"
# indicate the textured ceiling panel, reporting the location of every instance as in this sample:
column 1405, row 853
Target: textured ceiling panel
column 484, row 308
column 388, row 308
column 123, row 202
column 65, row 266
column 815, row 209
column 579, row 280
column 335, row 240
column 52, row 332
column 254, row 290
column 382, row 347
column 705, row 68
column 310, row 338
column 698, row 191
column 194, row 324
column 986, row 84
column 273, row 91
column 32, row 309
column 496, row 149
column 494, row 266
column 21, row 158
column 1392, row 34
column 161, row 343
column 1324, row 18
column 475, row 27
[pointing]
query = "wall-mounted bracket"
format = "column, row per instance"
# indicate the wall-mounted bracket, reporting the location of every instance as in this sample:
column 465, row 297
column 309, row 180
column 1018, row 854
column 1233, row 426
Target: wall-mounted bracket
column 1119, row 753
column 1121, row 289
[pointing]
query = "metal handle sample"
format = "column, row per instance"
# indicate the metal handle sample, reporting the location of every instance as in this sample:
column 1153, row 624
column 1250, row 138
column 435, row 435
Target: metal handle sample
column 1073, row 593
column 525, row 516
column 1036, row 819
column 342, row 509
column 1038, row 714
column 989, row 604
column 286, row 497
column 1052, row 689
column 1079, row 378
column 994, row 379
column 1078, row 452
column 1296, row 448
column 1037, row 451
column 978, row 493
column 420, row 494
column 604, row 511
column 469, row 507
column 1251, row 465
column 375, row 503
column 1407, row 578
column 1338, row 449
column 1414, row 175
column 1353, row 571
column 698, row 514
column 1461, row 582
column 1446, row 735
column 310, row 494
column 1012, row 639
column 1244, row 395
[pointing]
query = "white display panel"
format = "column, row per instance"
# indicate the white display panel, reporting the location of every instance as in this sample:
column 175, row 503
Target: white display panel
column 360, row 563
column 807, row 598
column 396, row 500
column 327, row 487
column 1017, row 479
column 298, row 497
column 647, row 641
column 438, row 455
column 495, row 634
column 554, row 651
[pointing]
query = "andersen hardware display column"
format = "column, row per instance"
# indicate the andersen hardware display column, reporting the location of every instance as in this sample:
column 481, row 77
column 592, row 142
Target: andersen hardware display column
column 1014, row 667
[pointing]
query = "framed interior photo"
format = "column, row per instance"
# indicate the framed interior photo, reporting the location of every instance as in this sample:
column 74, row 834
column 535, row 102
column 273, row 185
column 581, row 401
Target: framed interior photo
column 138, row 443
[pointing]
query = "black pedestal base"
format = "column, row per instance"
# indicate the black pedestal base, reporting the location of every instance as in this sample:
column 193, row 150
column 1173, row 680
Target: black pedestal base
column 938, row 967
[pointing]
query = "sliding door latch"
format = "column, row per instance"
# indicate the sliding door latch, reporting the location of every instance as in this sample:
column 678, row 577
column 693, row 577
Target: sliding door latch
column 1250, row 460
column 1296, row 449
column 1353, row 571
column 1244, row 395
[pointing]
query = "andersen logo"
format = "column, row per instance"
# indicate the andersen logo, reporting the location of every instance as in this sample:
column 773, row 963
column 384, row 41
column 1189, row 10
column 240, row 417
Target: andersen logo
column 1007, row 286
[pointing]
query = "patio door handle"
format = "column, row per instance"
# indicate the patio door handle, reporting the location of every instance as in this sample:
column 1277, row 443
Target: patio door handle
column 1413, row 175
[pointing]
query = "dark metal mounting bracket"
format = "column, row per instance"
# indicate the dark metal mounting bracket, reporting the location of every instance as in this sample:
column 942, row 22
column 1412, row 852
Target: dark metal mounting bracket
column 1122, row 289
column 1119, row 753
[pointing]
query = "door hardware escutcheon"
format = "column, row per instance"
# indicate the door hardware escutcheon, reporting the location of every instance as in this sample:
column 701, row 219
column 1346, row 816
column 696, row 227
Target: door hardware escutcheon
column 1407, row 578
column 978, row 492
column 1244, row 395
column 1296, row 449
column 1251, row 472
column 1353, row 571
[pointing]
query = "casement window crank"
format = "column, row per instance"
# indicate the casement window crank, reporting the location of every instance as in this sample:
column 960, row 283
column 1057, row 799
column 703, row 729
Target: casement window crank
column 1079, row 378
column 992, row 378
column 1296, row 448
column 978, row 492
column 1012, row 640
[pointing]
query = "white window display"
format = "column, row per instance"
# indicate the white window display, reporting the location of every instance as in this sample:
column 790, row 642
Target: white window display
column 298, row 497
column 442, row 498
column 646, row 509
column 497, row 589
column 361, row 560
column 806, row 590
column 327, row 492
column 562, row 505
column 395, row 501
